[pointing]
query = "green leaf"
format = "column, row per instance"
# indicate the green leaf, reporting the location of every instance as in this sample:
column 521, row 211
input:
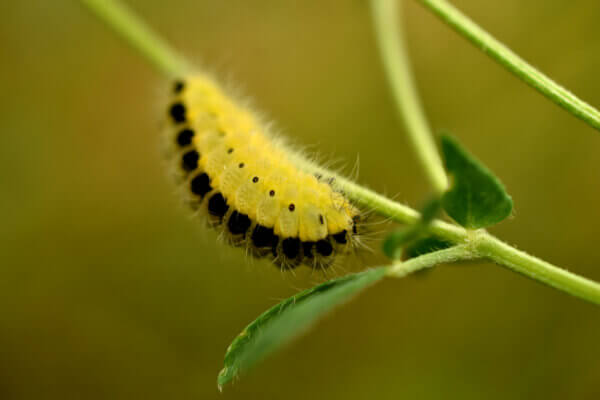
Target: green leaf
column 426, row 245
column 290, row 318
column 393, row 245
column 430, row 210
column 476, row 199
column 395, row 242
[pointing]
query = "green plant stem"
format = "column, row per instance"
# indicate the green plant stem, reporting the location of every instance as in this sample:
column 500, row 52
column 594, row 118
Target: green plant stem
column 495, row 250
column 512, row 62
column 387, row 23
column 154, row 48
column 479, row 242
column 450, row 255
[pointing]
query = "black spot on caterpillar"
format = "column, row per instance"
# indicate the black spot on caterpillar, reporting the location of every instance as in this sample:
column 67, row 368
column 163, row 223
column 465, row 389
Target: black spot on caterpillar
column 245, row 183
column 238, row 223
column 200, row 185
column 189, row 161
column 178, row 112
column 184, row 138
column 217, row 205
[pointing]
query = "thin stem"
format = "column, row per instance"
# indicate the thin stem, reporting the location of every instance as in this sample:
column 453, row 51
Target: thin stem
column 135, row 32
column 478, row 244
column 515, row 64
column 535, row 268
column 450, row 255
column 387, row 23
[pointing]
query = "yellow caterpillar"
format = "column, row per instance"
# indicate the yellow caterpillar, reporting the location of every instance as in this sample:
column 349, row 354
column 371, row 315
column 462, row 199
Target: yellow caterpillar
column 245, row 183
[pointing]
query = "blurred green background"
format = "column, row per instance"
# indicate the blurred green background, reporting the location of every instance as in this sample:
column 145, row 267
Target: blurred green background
column 109, row 290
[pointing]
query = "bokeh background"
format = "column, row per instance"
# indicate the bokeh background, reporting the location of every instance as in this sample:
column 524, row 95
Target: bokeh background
column 108, row 289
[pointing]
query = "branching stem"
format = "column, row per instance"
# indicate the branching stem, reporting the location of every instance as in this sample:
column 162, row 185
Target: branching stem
column 470, row 244
column 452, row 254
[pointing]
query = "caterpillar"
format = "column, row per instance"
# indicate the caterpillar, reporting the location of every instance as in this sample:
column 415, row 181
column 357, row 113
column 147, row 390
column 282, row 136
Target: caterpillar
column 243, row 181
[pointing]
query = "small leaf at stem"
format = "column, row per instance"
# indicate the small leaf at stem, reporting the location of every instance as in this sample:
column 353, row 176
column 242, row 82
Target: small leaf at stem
column 290, row 318
column 395, row 242
column 393, row 245
column 430, row 210
column 476, row 198
column 426, row 245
